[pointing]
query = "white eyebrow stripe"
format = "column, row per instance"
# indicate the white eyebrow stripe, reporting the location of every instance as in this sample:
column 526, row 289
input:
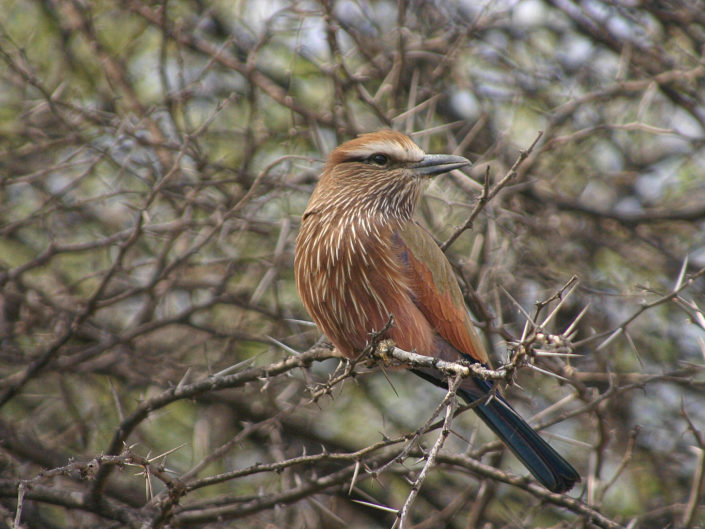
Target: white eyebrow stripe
column 409, row 153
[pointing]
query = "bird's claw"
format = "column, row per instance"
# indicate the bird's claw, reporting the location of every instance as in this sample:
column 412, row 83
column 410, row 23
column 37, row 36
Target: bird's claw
column 384, row 349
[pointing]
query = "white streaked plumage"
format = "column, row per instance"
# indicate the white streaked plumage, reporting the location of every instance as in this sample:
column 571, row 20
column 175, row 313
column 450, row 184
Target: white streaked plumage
column 353, row 215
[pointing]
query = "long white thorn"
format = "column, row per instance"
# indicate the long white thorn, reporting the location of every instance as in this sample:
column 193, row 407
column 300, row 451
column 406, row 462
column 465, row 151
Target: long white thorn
column 681, row 275
column 609, row 339
column 549, row 373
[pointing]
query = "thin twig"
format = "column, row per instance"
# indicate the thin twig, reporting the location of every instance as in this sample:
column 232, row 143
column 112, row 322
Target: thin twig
column 450, row 402
column 485, row 197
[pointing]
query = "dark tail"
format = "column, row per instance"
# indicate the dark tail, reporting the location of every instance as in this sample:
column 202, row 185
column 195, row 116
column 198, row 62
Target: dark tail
column 546, row 465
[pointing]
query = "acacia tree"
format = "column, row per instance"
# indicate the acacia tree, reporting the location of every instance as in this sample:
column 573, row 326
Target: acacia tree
column 156, row 366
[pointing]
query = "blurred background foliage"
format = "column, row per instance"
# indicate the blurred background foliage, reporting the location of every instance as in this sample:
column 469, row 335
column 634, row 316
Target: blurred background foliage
column 156, row 366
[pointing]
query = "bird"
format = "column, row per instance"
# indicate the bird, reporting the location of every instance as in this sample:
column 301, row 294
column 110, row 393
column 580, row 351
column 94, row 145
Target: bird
column 360, row 257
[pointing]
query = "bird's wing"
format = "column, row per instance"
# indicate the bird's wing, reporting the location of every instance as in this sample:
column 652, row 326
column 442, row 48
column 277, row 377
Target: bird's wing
column 436, row 291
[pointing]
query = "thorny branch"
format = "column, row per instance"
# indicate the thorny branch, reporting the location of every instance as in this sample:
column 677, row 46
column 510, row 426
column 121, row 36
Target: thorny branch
column 155, row 159
column 450, row 403
column 488, row 193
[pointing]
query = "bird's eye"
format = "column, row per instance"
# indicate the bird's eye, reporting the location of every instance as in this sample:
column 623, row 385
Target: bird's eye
column 379, row 159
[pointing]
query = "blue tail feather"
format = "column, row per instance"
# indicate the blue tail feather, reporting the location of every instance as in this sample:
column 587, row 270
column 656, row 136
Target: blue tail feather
column 546, row 465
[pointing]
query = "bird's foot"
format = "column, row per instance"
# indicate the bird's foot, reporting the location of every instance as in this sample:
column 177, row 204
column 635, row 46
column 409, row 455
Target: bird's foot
column 384, row 349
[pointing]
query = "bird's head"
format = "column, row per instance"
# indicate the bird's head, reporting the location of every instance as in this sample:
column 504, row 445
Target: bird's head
column 381, row 172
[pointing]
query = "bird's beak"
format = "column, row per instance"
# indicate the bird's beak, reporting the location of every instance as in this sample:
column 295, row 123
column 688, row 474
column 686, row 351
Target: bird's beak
column 435, row 164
